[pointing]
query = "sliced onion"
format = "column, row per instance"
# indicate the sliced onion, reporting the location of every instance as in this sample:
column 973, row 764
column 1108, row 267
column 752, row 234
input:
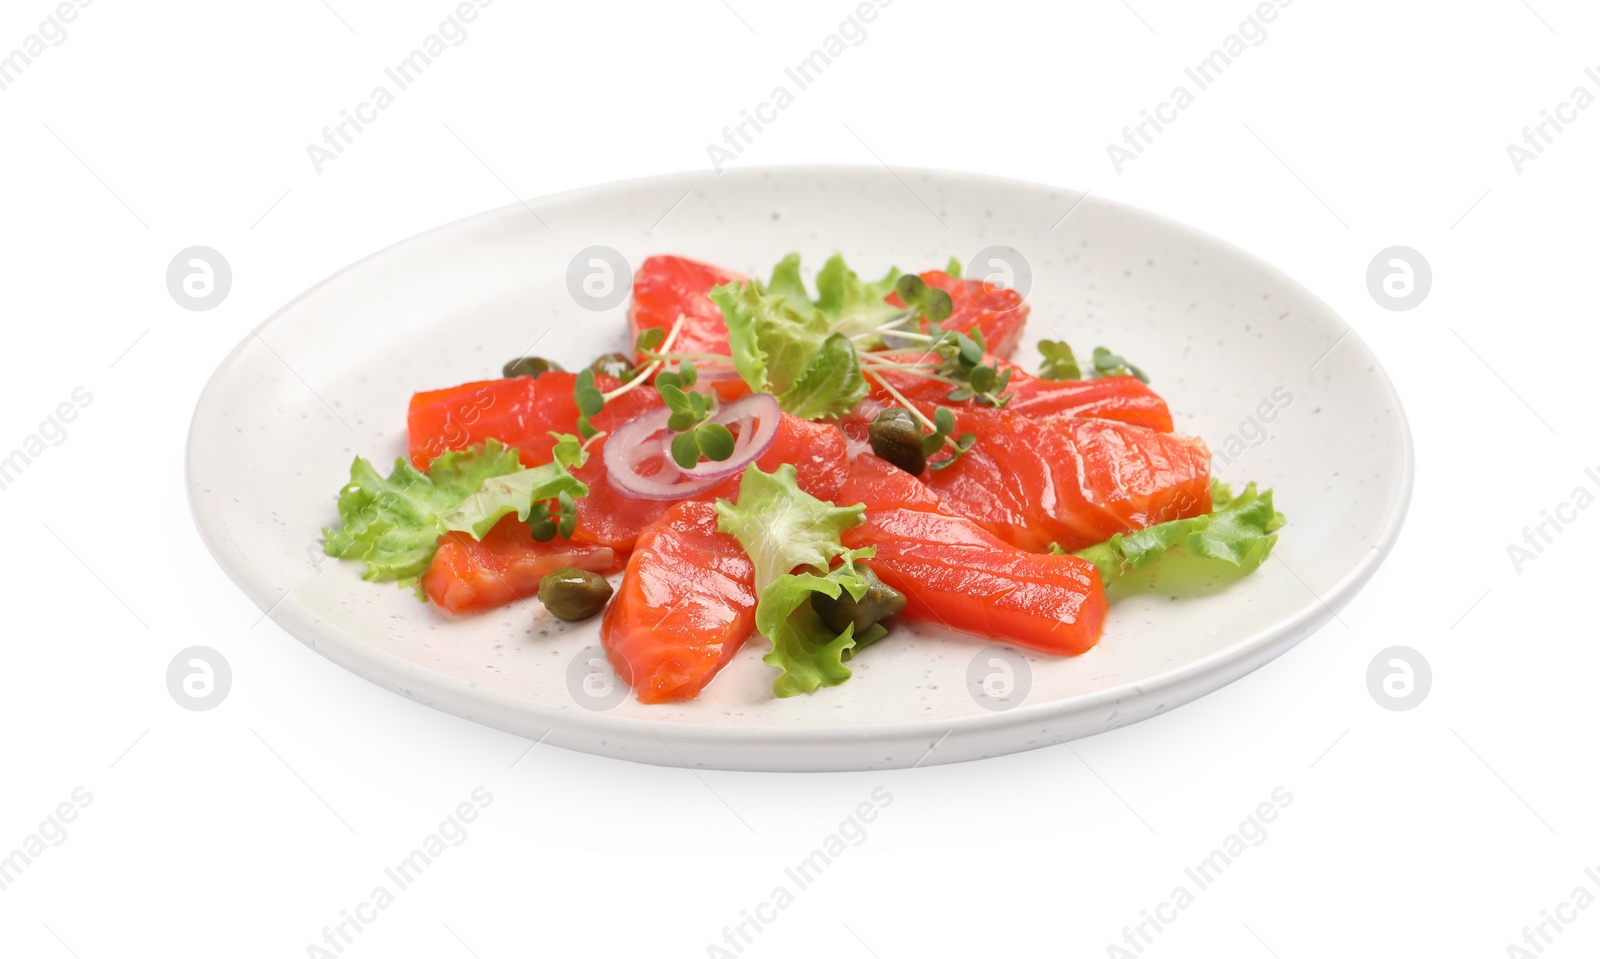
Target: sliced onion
column 716, row 371
column 708, row 376
column 645, row 439
column 631, row 446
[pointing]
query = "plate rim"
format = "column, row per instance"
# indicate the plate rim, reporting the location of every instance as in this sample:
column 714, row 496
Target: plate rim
column 469, row 700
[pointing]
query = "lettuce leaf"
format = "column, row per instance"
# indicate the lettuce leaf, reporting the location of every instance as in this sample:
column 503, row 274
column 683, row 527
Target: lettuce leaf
column 392, row 522
column 525, row 493
column 831, row 385
column 799, row 349
column 773, row 340
column 786, row 282
column 805, row 650
column 1239, row 531
column 848, row 303
column 851, row 305
column 785, row 529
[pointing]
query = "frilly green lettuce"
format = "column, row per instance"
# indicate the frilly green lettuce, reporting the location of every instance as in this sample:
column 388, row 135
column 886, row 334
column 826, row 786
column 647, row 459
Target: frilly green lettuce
column 793, row 539
column 1239, row 531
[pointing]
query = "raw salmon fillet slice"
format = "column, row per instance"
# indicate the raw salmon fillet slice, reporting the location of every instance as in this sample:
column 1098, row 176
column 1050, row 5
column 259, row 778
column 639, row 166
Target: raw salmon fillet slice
column 1069, row 480
column 956, row 574
column 687, row 603
column 666, row 286
column 520, row 412
column 505, row 566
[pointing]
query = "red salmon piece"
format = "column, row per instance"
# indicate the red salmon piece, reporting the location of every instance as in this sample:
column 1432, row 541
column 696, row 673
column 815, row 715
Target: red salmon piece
column 1121, row 398
column 520, row 412
column 1071, row 481
column 956, row 574
column 1000, row 313
column 687, row 603
column 666, row 286
column 609, row 517
column 505, row 566
column 1124, row 399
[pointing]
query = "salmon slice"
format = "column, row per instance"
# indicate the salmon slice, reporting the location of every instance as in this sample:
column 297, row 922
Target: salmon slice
column 666, row 286
column 1121, row 398
column 1071, row 481
column 608, row 517
column 956, row 574
column 505, row 566
column 687, row 603
column 1000, row 313
column 520, row 412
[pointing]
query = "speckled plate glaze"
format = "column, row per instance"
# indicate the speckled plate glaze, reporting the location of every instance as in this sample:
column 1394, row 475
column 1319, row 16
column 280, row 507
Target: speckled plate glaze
column 1249, row 360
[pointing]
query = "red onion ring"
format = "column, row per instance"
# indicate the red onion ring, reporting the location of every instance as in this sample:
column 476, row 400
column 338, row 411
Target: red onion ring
column 709, row 376
column 642, row 439
column 716, row 371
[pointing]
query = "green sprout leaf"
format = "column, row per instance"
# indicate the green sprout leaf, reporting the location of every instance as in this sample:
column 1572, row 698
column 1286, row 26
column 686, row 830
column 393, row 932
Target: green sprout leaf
column 685, row 451
column 715, row 441
column 963, row 443
column 1107, row 363
column 1060, row 363
column 589, row 399
column 929, row 301
column 690, row 411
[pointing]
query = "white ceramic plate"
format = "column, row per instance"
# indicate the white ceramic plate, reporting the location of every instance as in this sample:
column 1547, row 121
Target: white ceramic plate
column 1247, row 359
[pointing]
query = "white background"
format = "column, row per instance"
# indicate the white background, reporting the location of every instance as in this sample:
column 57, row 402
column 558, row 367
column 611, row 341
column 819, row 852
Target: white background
column 245, row 830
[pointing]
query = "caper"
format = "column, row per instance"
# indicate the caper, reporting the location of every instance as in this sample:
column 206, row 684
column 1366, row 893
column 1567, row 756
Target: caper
column 530, row 366
column 896, row 436
column 878, row 602
column 573, row 594
column 615, row 365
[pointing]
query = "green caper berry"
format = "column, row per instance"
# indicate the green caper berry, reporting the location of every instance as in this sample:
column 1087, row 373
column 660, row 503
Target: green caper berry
column 573, row 594
column 896, row 436
column 615, row 365
column 530, row 366
column 880, row 601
